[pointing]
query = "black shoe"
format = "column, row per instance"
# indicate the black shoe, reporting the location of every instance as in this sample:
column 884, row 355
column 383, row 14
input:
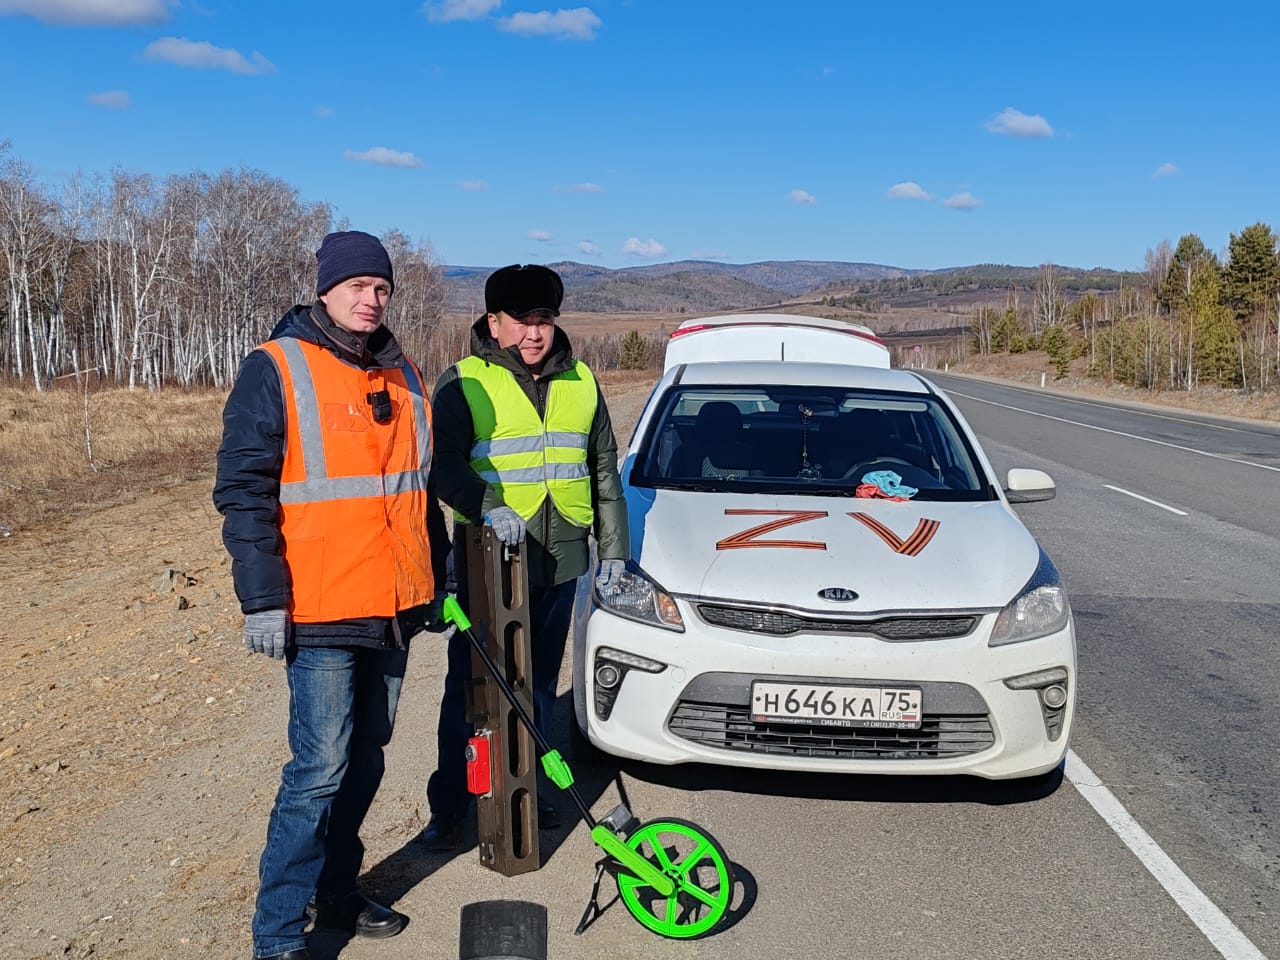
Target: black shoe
column 359, row 915
column 300, row 954
column 548, row 815
column 443, row 833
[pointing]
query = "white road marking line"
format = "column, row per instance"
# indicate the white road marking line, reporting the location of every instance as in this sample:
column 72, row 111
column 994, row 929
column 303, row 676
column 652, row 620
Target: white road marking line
column 1136, row 411
column 1118, row 433
column 1213, row 923
column 1154, row 503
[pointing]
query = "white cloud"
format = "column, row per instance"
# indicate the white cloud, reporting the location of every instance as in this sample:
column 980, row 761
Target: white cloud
column 205, row 56
column 384, row 157
column 115, row 99
column 962, row 201
column 96, row 13
column 577, row 24
column 644, row 248
column 323, row 111
column 587, row 188
column 800, row 196
column 1014, row 123
column 589, row 248
column 1165, row 170
column 541, row 236
column 476, row 186
column 443, row 11
column 908, row 190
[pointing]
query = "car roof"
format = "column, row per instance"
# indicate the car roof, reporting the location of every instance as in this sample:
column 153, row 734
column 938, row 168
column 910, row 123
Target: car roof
column 746, row 372
column 776, row 319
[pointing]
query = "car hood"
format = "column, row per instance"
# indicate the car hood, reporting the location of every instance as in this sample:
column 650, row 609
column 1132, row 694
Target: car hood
column 786, row 549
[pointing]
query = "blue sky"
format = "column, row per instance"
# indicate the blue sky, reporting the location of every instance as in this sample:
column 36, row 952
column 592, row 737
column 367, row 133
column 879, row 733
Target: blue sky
column 627, row 132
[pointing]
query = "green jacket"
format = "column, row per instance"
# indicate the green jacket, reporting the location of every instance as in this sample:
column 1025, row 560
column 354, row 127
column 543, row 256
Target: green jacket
column 557, row 549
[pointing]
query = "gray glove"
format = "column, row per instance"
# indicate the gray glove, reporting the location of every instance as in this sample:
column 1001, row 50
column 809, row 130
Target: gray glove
column 508, row 526
column 431, row 616
column 609, row 576
column 267, row 631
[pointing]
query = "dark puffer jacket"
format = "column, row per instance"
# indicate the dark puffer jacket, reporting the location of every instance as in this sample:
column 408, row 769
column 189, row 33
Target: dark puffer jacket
column 557, row 549
column 247, row 489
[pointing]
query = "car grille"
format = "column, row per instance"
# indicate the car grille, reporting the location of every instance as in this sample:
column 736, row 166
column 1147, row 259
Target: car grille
column 761, row 620
column 730, row 727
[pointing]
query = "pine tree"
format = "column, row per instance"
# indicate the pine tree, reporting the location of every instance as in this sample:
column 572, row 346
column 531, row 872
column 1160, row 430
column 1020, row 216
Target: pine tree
column 1252, row 274
column 1215, row 330
column 1191, row 252
column 1056, row 343
column 633, row 353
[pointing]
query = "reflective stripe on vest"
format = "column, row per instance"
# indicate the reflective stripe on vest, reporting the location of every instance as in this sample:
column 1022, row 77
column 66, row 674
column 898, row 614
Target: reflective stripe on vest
column 353, row 492
column 526, row 458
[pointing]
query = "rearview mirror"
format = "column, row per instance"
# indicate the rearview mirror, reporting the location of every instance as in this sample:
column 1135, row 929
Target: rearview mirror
column 1028, row 486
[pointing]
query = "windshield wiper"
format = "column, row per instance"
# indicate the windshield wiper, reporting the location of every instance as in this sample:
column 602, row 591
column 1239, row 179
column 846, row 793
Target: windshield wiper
column 689, row 485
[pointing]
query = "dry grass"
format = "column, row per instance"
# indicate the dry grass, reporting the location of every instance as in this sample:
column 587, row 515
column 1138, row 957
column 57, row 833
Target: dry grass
column 1027, row 367
column 625, row 378
column 138, row 439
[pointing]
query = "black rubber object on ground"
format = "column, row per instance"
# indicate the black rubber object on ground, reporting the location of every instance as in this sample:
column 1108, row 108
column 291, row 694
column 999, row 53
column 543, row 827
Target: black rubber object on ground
column 503, row 930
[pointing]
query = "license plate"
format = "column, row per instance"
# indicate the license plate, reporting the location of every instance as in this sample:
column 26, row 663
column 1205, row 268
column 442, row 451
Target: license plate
column 895, row 708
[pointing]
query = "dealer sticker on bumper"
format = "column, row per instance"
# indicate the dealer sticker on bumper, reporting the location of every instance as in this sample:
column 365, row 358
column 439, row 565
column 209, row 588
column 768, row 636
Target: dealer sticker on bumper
column 885, row 707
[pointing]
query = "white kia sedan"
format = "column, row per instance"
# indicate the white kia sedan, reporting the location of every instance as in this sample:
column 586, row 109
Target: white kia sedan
column 825, row 575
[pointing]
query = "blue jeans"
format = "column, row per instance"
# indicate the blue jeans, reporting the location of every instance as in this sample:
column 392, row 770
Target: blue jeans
column 550, row 610
column 342, row 707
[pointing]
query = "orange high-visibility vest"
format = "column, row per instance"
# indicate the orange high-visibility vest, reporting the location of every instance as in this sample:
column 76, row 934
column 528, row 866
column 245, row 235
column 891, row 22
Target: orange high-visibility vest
column 353, row 492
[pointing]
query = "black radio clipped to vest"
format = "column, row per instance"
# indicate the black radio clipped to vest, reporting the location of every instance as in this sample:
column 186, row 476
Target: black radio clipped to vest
column 380, row 401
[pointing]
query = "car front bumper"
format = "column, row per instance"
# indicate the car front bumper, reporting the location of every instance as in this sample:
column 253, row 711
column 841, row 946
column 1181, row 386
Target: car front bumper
column 696, row 709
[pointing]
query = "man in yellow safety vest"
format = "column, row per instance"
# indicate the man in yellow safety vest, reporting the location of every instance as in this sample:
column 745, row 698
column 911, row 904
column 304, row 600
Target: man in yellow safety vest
column 523, row 443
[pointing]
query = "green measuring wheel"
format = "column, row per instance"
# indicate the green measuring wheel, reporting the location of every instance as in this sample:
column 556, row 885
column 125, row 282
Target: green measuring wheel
column 672, row 875
column 698, row 867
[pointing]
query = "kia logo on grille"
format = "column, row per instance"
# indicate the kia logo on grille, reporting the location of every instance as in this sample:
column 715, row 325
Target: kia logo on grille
column 842, row 594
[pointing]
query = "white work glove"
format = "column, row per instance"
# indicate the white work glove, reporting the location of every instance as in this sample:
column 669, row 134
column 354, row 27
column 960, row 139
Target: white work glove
column 508, row 526
column 609, row 576
column 267, row 631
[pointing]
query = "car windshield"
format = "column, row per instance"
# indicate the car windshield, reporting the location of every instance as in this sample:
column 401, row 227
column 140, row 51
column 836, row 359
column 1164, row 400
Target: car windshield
column 810, row 440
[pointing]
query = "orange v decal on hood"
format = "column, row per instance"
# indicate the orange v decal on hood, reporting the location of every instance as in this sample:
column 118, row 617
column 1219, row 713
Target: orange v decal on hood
column 909, row 547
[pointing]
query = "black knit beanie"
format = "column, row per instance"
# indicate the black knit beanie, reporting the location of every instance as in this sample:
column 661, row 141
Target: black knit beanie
column 348, row 254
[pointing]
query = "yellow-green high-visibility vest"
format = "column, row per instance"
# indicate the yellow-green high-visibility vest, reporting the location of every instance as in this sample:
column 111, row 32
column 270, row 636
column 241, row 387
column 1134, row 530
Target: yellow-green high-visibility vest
column 527, row 459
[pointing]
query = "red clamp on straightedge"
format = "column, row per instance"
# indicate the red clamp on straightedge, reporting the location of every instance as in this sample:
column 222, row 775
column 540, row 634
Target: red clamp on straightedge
column 479, row 776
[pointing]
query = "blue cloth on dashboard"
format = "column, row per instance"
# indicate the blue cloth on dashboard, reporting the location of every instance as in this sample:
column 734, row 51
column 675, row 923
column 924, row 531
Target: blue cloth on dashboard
column 890, row 482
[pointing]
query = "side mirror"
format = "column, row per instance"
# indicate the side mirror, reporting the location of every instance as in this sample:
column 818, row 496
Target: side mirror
column 1028, row 486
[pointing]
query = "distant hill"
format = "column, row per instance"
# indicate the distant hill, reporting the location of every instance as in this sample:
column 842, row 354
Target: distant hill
column 708, row 286
column 671, row 293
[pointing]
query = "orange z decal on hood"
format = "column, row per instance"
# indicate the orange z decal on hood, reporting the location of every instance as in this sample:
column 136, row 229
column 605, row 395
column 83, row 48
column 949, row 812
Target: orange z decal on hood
column 748, row 537
column 909, row 547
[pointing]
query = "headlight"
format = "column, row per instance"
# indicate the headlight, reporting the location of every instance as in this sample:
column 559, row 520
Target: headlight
column 1038, row 610
column 638, row 598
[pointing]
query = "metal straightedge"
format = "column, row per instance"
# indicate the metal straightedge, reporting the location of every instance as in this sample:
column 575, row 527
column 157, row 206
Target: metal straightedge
column 498, row 595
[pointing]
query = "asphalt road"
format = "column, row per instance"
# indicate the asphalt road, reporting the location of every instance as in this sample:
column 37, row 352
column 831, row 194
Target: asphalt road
column 1177, row 616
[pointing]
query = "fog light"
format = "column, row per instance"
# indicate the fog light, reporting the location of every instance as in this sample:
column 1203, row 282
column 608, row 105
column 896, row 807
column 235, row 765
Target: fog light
column 1051, row 685
column 612, row 667
column 630, row 660
column 1054, row 696
column 1041, row 678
